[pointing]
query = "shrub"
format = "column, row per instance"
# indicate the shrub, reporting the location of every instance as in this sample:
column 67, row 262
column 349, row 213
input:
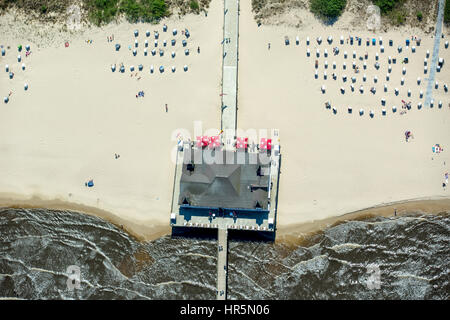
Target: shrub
column 385, row 5
column 43, row 9
column 419, row 16
column 328, row 8
column 194, row 5
column 447, row 11
column 400, row 17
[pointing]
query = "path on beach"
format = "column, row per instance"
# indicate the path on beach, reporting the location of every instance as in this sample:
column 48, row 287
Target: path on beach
column 230, row 66
column 437, row 42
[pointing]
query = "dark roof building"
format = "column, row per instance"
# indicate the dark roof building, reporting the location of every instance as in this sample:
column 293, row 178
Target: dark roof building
column 240, row 181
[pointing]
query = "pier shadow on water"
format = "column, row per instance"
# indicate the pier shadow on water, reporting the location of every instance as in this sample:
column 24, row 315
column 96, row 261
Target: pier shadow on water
column 233, row 235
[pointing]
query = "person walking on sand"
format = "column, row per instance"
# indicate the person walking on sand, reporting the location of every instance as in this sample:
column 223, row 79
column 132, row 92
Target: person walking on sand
column 395, row 212
column 198, row 49
column 167, row 108
column 268, row 46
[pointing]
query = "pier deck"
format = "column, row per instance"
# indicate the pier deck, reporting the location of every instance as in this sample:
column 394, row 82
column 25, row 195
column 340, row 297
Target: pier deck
column 230, row 66
column 222, row 264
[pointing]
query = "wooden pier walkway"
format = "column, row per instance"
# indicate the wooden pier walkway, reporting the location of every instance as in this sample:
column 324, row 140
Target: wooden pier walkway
column 222, row 265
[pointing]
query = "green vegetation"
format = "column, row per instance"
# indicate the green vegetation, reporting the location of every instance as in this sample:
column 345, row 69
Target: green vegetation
column 194, row 5
column 399, row 17
column 419, row 16
column 386, row 5
column 447, row 11
column 103, row 11
column 43, row 9
column 328, row 8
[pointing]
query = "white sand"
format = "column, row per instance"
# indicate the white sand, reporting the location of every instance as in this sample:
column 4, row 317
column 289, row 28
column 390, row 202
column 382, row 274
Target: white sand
column 333, row 164
column 77, row 114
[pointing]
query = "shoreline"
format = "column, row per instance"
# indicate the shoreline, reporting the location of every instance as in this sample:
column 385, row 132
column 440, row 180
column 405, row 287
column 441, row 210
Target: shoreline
column 295, row 234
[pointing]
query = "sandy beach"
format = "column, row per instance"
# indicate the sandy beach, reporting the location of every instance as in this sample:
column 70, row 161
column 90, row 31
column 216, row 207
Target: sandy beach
column 77, row 114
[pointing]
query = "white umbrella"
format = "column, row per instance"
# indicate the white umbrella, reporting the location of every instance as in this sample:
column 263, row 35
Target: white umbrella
column 23, row 66
column 308, row 52
column 394, row 109
column 418, row 80
column 25, row 86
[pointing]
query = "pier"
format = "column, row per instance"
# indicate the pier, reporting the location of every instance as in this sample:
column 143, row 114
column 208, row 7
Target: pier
column 240, row 194
column 222, row 266
column 230, row 52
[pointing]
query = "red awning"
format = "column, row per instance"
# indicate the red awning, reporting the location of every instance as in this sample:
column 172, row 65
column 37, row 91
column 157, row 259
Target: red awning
column 266, row 144
column 241, row 143
column 214, row 142
column 202, row 141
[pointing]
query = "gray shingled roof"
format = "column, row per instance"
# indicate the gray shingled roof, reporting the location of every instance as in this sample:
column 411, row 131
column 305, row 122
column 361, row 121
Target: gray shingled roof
column 224, row 185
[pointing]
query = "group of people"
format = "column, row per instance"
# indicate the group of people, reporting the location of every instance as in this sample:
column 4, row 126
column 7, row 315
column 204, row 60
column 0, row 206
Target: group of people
column 110, row 38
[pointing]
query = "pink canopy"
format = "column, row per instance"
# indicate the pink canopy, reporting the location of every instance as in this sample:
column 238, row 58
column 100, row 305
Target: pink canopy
column 241, row 143
column 202, row 141
column 266, row 144
column 214, row 142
